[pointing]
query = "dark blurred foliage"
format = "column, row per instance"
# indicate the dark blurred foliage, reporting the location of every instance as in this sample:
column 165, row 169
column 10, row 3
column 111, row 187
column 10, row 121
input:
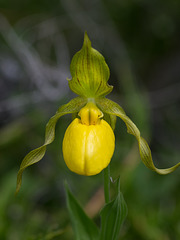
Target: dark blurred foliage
column 140, row 41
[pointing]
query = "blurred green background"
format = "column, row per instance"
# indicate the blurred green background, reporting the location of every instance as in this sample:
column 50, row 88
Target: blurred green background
column 140, row 42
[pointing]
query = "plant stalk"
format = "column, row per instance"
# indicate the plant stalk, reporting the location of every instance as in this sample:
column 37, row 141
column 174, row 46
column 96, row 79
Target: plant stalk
column 107, row 184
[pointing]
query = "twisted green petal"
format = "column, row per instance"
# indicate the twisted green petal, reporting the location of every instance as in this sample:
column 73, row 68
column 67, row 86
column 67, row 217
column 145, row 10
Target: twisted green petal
column 37, row 154
column 113, row 108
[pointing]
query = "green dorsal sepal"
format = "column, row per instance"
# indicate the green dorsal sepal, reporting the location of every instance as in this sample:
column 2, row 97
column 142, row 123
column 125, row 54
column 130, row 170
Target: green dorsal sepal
column 89, row 72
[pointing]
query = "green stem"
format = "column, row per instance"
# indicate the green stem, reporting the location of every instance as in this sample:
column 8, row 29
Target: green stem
column 107, row 184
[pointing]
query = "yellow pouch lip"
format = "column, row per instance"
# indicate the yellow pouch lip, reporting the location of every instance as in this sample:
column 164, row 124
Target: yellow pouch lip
column 88, row 149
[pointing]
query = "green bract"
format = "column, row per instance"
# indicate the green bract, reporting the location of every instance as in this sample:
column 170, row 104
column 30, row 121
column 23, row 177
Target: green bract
column 90, row 74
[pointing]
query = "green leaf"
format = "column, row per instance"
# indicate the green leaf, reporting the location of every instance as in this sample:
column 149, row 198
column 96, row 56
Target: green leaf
column 85, row 228
column 112, row 217
column 113, row 108
column 37, row 154
column 90, row 72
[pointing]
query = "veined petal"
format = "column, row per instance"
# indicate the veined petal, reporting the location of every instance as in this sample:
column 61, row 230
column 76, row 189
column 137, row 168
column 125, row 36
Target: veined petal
column 110, row 107
column 37, row 154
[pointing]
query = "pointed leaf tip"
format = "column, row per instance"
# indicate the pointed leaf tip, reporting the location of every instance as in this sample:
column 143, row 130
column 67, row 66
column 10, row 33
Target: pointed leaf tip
column 85, row 228
column 113, row 216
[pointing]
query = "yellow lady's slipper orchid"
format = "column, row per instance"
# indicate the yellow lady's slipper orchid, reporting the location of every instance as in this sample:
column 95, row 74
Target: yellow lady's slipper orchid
column 89, row 142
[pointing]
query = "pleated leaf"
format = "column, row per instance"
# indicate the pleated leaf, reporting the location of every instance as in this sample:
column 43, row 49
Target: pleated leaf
column 113, row 108
column 113, row 216
column 84, row 227
column 37, row 154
